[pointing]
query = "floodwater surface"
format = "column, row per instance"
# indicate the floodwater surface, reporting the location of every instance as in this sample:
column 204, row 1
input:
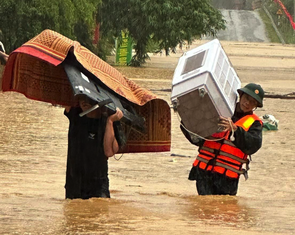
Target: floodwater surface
column 150, row 191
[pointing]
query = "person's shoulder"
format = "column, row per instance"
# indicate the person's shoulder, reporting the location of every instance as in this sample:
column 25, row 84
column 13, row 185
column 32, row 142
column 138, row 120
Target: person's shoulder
column 72, row 111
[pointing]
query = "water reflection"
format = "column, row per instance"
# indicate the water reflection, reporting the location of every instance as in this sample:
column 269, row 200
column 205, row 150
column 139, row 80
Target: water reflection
column 109, row 216
column 89, row 215
column 220, row 210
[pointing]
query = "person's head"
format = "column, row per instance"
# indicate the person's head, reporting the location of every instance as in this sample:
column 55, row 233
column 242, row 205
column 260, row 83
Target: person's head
column 251, row 97
column 85, row 103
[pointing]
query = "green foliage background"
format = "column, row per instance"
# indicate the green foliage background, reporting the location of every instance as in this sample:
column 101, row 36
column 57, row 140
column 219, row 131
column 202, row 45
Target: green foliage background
column 164, row 23
column 151, row 23
column 22, row 20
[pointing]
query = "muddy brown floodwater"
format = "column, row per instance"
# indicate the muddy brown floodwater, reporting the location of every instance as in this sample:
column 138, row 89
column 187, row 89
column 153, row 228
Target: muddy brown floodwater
column 150, row 191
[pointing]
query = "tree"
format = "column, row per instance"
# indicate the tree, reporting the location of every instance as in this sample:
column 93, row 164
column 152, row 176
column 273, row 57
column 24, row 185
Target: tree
column 166, row 22
column 22, row 20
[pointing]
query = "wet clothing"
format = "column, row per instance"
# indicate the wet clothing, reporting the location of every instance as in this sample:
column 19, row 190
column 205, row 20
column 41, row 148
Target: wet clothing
column 87, row 165
column 212, row 182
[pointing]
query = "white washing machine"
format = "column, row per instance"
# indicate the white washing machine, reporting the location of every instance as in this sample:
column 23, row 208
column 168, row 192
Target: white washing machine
column 204, row 87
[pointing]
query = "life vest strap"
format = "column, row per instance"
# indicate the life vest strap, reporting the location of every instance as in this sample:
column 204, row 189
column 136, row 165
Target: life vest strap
column 230, row 143
column 226, row 154
column 241, row 172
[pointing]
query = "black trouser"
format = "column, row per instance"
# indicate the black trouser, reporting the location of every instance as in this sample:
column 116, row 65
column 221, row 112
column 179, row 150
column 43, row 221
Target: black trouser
column 91, row 188
column 212, row 183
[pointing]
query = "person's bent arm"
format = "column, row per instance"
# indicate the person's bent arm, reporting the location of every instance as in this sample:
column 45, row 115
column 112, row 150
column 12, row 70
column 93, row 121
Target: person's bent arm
column 193, row 139
column 111, row 146
column 4, row 56
column 248, row 141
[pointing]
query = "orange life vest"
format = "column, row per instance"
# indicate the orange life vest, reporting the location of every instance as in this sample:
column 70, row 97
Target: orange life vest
column 223, row 156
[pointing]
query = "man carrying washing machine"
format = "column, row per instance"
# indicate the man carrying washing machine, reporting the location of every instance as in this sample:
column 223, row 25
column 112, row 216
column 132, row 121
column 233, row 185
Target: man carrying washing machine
column 218, row 166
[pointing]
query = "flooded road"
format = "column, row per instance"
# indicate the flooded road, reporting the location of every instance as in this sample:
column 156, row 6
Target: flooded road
column 150, row 191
